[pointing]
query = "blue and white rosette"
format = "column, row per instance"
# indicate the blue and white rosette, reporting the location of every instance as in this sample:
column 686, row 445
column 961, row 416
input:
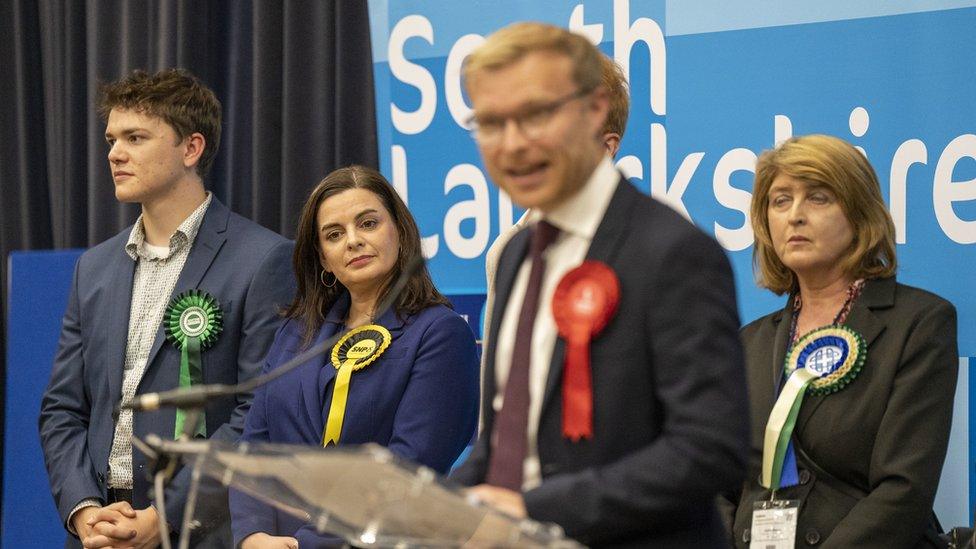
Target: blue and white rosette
column 835, row 353
column 822, row 362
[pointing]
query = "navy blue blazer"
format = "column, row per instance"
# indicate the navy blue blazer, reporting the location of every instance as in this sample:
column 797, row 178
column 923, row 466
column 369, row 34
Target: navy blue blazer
column 419, row 399
column 670, row 414
column 245, row 266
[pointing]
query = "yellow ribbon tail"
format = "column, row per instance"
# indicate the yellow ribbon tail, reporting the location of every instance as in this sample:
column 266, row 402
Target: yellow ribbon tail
column 337, row 410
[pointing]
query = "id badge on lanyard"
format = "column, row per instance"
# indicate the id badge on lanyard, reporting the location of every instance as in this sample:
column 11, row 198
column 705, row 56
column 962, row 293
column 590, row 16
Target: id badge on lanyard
column 774, row 524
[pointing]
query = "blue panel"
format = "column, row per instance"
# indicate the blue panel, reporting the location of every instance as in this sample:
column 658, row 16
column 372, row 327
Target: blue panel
column 894, row 78
column 721, row 15
column 906, row 72
column 39, row 285
column 952, row 502
column 470, row 307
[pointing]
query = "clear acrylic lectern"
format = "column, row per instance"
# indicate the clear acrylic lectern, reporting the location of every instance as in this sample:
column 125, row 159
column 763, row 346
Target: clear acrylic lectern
column 364, row 494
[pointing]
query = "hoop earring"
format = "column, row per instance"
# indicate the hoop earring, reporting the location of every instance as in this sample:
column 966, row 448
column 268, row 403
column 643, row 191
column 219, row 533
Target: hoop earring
column 326, row 284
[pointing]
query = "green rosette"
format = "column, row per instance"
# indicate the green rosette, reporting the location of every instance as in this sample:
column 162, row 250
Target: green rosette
column 193, row 321
column 822, row 362
column 834, row 353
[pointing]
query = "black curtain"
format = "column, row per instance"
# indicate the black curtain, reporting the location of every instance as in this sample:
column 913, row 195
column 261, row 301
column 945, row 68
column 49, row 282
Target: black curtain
column 294, row 77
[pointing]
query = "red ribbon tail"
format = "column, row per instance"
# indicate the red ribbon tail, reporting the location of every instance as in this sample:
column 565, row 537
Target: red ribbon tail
column 577, row 392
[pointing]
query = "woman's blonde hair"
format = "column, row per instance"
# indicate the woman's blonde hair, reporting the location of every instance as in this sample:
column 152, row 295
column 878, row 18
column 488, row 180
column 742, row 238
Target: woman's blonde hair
column 836, row 164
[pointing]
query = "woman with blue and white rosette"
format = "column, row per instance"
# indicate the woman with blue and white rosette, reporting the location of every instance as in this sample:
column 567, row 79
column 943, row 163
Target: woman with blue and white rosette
column 851, row 384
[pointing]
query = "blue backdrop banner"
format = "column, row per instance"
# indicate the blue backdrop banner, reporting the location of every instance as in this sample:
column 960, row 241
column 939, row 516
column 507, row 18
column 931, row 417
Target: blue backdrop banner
column 713, row 84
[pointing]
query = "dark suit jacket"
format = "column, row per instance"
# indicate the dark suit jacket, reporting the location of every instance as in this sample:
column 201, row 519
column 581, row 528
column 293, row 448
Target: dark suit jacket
column 881, row 440
column 419, row 399
column 670, row 416
column 246, row 267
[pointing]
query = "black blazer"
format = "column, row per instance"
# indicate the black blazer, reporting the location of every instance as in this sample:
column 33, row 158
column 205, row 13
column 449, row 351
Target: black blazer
column 670, row 410
column 881, row 440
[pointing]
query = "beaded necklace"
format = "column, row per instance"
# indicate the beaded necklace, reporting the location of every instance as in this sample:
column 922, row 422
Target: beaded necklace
column 852, row 293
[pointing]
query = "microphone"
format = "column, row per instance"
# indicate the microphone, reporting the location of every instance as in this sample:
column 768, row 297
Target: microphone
column 181, row 398
column 197, row 396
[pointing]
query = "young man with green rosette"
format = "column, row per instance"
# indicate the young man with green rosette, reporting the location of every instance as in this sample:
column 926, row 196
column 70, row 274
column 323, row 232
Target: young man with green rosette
column 189, row 294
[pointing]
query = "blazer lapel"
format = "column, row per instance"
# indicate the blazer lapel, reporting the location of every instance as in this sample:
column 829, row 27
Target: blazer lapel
column 392, row 322
column 604, row 247
column 613, row 228
column 319, row 365
column 508, row 266
column 876, row 294
column 117, row 325
column 210, row 237
column 781, row 341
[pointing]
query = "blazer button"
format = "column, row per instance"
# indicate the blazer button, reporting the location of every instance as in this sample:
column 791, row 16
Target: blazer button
column 812, row 537
column 746, row 535
column 804, row 476
column 101, row 479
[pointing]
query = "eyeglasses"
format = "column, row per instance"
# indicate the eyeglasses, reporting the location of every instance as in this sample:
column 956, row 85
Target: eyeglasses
column 532, row 122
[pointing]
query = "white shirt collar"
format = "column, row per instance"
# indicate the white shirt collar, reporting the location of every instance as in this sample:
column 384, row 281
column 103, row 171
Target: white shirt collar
column 185, row 234
column 582, row 213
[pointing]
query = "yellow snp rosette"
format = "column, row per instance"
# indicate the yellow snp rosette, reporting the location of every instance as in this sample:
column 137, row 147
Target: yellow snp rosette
column 355, row 351
column 822, row 362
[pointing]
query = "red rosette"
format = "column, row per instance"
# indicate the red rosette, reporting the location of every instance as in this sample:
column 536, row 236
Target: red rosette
column 584, row 302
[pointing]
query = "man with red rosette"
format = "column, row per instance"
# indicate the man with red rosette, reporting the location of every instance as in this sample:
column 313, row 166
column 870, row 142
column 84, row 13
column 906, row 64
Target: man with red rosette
column 614, row 401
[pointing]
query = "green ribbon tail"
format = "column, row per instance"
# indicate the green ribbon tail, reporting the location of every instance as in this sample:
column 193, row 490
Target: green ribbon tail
column 784, row 440
column 191, row 373
column 779, row 427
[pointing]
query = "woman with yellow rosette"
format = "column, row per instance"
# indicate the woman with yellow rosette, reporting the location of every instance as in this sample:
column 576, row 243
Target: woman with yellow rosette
column 851, row 384
column 407, row 380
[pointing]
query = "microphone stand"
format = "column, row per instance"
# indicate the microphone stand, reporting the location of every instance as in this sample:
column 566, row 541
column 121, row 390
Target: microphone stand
column 164, row 468
column 193, row 417
column 194, row 398
column 158, row 491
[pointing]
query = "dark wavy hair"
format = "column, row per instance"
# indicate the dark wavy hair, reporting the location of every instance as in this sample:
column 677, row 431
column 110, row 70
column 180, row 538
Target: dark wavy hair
column 174, row 95
column 313, row 299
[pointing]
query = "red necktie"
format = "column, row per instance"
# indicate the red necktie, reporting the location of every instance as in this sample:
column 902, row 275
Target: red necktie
column 509, row 432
